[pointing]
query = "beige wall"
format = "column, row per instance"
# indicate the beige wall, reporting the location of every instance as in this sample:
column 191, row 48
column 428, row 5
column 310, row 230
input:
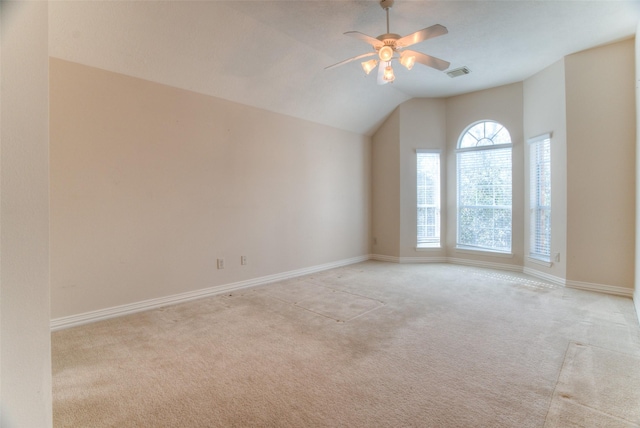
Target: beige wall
column 636, row 295
column 421, row 127
column 601, row 165
column 587, row 102
column 503, row 104
column 545, row 112
column 25, row 344
column 437, row 124
column 151, row 184
column 385, row 183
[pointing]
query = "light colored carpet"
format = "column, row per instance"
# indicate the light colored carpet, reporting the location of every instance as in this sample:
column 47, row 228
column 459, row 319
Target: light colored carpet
column 368, row 345
column 588, row 393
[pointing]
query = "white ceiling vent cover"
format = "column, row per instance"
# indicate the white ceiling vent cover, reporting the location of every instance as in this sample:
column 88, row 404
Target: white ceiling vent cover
column 459, row 72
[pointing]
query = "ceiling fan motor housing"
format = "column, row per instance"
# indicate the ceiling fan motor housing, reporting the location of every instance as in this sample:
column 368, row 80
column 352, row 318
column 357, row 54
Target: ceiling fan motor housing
column 389, row 38
column 388, row 48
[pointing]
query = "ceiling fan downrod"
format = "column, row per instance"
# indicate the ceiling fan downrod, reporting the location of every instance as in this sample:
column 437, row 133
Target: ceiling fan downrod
column 386, row 5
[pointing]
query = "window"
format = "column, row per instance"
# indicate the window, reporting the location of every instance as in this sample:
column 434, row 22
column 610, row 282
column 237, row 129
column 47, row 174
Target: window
column 540, row 198
column 428, row 198
column 484, row 188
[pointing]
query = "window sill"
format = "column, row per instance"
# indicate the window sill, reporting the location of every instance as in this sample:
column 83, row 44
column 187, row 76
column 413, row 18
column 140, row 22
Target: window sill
column 484, row 252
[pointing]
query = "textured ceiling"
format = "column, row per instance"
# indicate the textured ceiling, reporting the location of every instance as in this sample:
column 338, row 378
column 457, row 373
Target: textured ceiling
column 272, row 54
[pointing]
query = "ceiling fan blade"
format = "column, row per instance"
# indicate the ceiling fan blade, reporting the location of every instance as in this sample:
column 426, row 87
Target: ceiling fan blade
column 371, row 40
column 428, row 60
column 419, row 36
column 351, row 59
column 380, row 80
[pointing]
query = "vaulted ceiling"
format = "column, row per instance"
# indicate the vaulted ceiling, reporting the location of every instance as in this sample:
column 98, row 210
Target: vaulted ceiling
column 273, row 54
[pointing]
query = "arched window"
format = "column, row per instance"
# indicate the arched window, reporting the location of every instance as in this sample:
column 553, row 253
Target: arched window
column 484, row 187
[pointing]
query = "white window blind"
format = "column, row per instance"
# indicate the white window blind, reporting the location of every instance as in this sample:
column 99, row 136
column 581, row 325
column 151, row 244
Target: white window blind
column 485, row 188
column 428, row 198
column 540, row 197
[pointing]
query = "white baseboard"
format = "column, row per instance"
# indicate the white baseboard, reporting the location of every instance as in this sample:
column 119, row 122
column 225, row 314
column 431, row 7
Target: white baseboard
column 543, row 275
column 478, row 263
column 145, row 305
column 103, row 314
column 393, row 259
column 383, row 258
column 452, row 260
column 601, row 288
column 423, row 260
column 598, row 288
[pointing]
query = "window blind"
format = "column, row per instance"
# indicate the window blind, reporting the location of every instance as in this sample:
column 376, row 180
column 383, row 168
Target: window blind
column 540, row 198
column 428, row 198
column 484, row 198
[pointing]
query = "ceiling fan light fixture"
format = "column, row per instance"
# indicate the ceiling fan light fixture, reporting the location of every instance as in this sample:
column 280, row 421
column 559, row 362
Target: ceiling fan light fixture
column 368, row 66
column 385, row 53
column 408, row 61
column 388, row 75
column 390, row 46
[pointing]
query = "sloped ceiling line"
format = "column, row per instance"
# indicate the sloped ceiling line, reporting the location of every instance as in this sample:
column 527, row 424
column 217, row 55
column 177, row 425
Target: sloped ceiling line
column 272, row 54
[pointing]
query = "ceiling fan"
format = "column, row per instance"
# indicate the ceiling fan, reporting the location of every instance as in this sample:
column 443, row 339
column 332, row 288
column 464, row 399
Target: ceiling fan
column 389, row 47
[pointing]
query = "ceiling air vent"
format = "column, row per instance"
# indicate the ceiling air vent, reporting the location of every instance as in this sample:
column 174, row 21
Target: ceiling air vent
column 458, row 72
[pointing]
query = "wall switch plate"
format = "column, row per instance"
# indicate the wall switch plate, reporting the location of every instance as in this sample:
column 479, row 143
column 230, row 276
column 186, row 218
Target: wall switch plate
column 243, row 260
column 220, row 263
column 556, row 257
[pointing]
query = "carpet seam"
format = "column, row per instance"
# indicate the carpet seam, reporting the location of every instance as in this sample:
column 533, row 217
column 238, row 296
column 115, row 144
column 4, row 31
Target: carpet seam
column 564, row 363
column 601, row 412
column 555, row 387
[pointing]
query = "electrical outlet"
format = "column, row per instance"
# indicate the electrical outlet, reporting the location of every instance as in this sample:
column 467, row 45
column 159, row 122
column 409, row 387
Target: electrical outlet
column 243, row 260
column 220, row 263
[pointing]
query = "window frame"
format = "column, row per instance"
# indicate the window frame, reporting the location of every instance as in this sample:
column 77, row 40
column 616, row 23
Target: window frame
column 533, row 202
column 464, row 247
column 438, row 206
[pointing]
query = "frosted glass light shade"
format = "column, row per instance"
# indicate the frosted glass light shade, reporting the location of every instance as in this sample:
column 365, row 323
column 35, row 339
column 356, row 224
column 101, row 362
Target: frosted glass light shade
column 388, row 74
column 368, row 66
column 408, row 61
column 385, row 53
